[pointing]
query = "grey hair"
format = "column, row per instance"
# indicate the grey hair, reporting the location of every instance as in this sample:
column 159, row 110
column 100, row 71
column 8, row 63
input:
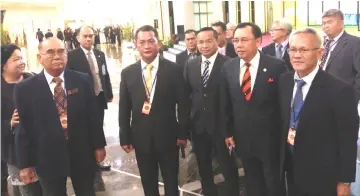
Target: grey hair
column 308, row 30
column 285, row 24
column 333, row 12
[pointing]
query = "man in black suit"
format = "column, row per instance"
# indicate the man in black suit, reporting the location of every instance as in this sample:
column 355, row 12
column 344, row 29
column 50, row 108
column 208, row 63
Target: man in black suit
column 342, row 50
column 280, row 33
column 250, row 117
column 92, row 61
column 61, row 133
column 150, row 90
column 191, row 51
column 87, row 59
column 203, row 76
column 320, row 123
column 225, row 48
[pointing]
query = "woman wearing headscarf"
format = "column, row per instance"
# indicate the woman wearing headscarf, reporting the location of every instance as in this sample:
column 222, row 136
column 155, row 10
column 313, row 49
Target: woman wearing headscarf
column 12, row 72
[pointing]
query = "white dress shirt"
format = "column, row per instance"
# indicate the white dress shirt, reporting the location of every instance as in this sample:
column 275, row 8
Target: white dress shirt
column 155, row 67
column 95, row 64
column 222, row 50
column 308, row 80
column 52, row 84
column 211, row 65
column 332, row 47
column 254, row 65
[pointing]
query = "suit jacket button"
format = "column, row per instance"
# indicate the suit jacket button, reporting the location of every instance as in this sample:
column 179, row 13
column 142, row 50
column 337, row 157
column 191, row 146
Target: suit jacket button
column 204, row 95
column 204, row 109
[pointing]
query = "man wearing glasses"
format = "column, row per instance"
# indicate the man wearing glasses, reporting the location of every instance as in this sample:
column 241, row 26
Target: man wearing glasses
column 280, row 33
column 319, row 123
column 249, row 112
column 61, row 133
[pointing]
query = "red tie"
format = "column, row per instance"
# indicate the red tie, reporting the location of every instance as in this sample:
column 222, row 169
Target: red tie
column 246, row 83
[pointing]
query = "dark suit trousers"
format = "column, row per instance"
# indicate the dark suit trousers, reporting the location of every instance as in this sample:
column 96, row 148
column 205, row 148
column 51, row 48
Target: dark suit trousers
column 204, row 144
column 83, row 186
column 262, row 177
column 149, row 162
column 293, row 189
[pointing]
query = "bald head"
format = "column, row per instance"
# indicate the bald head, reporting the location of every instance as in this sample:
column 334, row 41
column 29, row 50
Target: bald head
column 86, row 37
column 52, row 56
column 230, row 28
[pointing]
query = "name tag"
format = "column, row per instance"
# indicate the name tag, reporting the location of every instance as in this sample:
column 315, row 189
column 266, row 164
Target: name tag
column 291, row 136
column 146, row 108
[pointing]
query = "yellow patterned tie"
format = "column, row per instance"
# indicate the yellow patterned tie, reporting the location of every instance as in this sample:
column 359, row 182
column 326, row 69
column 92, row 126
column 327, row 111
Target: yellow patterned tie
column 148, row 78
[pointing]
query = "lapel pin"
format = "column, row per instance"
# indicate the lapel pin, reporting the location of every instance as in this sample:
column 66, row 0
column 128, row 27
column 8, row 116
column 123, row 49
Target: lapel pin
column 264, row 69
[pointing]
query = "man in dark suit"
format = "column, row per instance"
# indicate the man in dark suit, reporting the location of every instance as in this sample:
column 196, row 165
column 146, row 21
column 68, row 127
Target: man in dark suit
column 92, row 61
column 250, row 117
column 203, row 76
column 150, row 90
column 342, row 50
column 61, row 133
column 225, row 48
column 191, row 51
column 320, row 123
column 280, row 33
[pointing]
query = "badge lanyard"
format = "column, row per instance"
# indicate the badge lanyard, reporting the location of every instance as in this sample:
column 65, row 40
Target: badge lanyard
column 148, row 92
column 295, row 115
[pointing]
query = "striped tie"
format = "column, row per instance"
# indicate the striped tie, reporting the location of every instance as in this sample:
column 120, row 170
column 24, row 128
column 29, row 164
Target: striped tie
column 246, row 83
column 60, row 99
column 205, row 75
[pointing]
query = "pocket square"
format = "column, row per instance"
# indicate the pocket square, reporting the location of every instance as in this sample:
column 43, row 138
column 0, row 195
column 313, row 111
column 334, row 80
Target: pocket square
column 270, row 80
column 72, row 91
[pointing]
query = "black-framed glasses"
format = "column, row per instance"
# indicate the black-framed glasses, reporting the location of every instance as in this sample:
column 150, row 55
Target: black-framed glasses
column 302, row 51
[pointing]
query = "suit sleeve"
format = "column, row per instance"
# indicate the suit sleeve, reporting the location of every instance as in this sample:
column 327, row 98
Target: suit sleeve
column 183, row 103
column 356, row 64
column 125, row 106
column 107, row 81
column 96, row 128
column 24, row 141
column 226, row 119
column 347, row 119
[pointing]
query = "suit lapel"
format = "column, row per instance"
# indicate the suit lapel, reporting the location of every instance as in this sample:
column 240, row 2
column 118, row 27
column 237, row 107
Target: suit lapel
column 272, row 49
column 340, row 45
column 214, row 71
column 46, row 97
column 235, row 78
column 84, row 60
column 287, row 97
column 69, row 85
column 196, row 72
column 160, row 80
column 260, row 81
column 98, row 61
column 139, row 84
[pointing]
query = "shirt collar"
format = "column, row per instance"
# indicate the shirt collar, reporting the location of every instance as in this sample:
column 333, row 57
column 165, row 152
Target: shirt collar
column 309, row 78
column 86, row 51
column 337, row 37
column 211, row 59
column 284, row 44
column 188, row 52
column 154, row 64
column 49, row 77
column 254, row 62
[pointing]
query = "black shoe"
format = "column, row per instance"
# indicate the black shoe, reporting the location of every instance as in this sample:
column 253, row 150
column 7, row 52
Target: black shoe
column 104, row 167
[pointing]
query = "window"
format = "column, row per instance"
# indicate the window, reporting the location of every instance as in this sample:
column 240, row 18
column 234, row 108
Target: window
column 202, row 14
column 289, row 9
column 351, row 13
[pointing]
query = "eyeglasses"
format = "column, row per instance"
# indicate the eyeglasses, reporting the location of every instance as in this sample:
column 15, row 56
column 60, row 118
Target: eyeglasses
column 242, row 40
column 51, row 53
column 303, row 51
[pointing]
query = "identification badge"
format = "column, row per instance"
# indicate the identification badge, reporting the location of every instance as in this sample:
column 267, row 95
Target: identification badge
column 146, row 108
column 63, row 120
column 291, row 136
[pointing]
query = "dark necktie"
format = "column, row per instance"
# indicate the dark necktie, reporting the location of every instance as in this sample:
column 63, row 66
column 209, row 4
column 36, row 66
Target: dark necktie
column 279, row 51
column 327, row 52
column 192, row 56
column 246, row 83
column 298, row 102
column 60, row 99
column 205, row 74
